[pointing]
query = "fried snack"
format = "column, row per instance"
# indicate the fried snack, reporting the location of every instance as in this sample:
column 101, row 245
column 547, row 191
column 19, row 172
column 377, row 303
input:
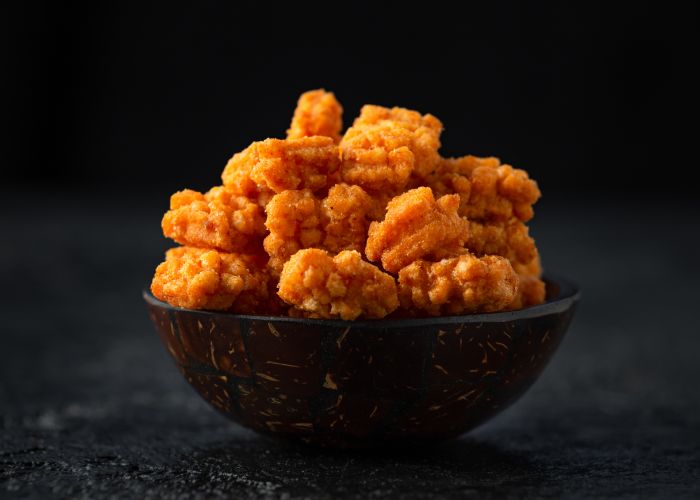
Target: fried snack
column 217, row 219
column 452, row 175
column 416, row 226
column 317, row 113
column 488, row 190
column 199, row 278
column 236, row 174
column 278, row 165
column 294, row 222
column 346, row 215
column 320, row 285
column 530, row 292
column 425, row 132
column 385, row 146
column 376, row 158
column 452, row 229
column 275, row 165
column 298, row 219
column 532, row 289
column 463, row 284
column 510, row 239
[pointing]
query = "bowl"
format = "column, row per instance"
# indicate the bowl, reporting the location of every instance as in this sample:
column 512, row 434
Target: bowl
column 364, row 383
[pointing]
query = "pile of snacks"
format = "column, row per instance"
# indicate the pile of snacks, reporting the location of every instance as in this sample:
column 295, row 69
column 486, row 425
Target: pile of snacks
column 366, row 224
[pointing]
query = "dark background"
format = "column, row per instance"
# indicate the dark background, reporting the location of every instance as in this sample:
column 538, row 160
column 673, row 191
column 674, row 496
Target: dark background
column 590, row 97
column 109, row 109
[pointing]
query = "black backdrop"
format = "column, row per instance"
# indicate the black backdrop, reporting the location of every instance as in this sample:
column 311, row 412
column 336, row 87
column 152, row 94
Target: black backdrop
column 144, row 97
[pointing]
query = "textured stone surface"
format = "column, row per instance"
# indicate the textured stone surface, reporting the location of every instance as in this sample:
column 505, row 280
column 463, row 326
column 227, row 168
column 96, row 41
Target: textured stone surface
column 92, row 405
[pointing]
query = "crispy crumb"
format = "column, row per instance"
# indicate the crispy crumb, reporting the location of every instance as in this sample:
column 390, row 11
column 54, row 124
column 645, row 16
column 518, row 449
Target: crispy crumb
column 294, row 222
column 280, row 164
column 236, row 174
column 346, row 214
column 510, row 239
column 385, row 146
column 463, row 284
column 487, row 189
column 416, row 226
column 218, row 219
column 317, row 113
column 305, row 163
column 199, row 278
column 424, row 131
column 450, row 228
column 341, row 286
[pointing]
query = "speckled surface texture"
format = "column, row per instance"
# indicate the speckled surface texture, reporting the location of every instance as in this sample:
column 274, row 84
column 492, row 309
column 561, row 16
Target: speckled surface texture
column 363, row 384
column 91, row 404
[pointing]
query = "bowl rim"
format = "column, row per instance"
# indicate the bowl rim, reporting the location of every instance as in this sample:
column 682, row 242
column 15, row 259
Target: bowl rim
column 568, row 294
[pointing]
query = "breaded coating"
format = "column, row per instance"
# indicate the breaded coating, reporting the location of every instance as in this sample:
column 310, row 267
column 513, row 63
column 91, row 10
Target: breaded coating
column 463, row 284
column 376, row 158
column 343, row 286
column 452, row 175
column 218, row 219
column 532, row 289
column 236, row 174
column 317, row 113
column 294, row 221
column 510, row 239
column 281, row 164
column 501, row 193
column 385, row 146
column 425, row 132
column 530, row 292
column 198, row 278
column 488, row 190
column 309, row 208
column 298, row 219
column 345, row 217
column 278, row 164
column 416, row 226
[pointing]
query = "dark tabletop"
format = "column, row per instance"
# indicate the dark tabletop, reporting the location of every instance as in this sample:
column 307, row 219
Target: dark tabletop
column 91, row 404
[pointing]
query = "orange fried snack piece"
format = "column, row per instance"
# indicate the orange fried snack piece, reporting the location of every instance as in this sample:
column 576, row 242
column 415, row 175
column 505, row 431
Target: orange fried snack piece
column 346, row 214
column 236, row 174
column 510, row 239
column 416, row 226
column 281, row 164
column 376, row 158
column 424, row 131
column 217, row 219
column 293, row 219
column 344, row 286
column 488, row 190
column 531, row 292
column 463, row 284
column 317, row 113
column 385, row 146
column 198, row 278
column 532, row 289
column 298, row 219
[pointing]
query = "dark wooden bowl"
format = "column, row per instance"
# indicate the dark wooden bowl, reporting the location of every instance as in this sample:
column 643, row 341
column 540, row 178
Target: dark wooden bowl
column 364, row 383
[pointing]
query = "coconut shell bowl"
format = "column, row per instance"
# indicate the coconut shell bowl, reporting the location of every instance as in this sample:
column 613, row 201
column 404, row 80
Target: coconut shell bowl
column 364, row 383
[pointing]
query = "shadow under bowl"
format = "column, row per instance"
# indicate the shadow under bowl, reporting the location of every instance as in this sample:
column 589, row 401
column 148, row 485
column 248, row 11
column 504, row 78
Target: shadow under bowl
column 364, row 383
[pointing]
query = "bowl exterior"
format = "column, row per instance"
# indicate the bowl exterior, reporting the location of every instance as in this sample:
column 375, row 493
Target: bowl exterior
column 359, row 386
